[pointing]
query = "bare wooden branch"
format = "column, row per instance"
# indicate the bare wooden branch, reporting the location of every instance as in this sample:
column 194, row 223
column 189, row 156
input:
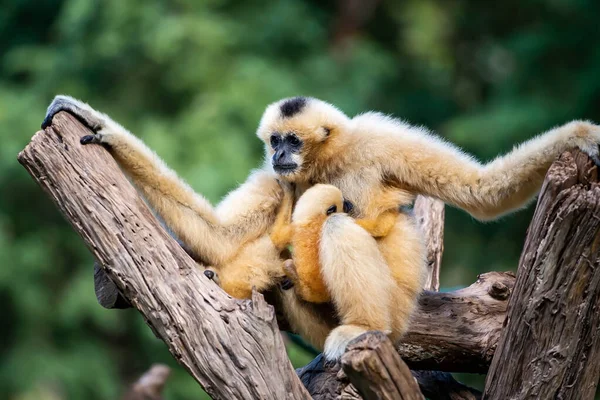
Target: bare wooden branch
column 430, row 214
column 457, row 331
column 232, row 348
column 551, row 342
column 377, row 371
column 150, row 385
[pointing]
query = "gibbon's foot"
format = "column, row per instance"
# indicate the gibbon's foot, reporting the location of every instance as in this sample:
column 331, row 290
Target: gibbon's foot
column 83, row 112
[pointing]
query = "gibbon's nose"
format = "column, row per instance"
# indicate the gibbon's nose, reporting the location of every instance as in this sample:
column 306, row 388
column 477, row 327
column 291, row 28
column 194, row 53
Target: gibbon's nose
column 279, row 156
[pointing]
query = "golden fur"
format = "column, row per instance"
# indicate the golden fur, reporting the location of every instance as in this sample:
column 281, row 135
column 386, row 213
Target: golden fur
column 365, row 157
column 303, row 229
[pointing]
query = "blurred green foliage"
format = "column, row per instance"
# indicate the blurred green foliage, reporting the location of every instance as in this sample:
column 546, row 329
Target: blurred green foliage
column 192, row 79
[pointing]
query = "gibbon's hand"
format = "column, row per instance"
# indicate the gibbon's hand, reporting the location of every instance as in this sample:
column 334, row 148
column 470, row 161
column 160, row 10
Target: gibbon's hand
column 587, row 138
column 80, row 110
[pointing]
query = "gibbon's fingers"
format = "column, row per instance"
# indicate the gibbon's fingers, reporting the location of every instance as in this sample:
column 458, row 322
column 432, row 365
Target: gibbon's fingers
column 209, row 274
column 80, row 110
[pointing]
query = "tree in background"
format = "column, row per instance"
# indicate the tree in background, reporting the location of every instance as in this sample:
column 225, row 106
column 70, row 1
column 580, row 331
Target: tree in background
column 192, row 79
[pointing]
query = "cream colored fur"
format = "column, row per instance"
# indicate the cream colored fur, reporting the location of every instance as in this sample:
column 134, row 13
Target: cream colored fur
column 366, row 157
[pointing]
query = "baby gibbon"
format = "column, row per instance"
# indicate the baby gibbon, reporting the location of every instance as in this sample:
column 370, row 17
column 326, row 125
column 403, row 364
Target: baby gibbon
column 303, row 228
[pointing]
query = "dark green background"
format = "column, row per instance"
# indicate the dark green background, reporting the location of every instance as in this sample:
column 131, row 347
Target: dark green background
column 192, row 79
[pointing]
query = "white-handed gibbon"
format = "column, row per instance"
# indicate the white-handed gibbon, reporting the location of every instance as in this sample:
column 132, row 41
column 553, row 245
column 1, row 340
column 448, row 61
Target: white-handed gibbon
column 308, row 141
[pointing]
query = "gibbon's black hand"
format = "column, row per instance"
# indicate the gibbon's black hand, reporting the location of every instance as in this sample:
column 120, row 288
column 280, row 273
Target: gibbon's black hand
column 84, row 113
column 209, row 274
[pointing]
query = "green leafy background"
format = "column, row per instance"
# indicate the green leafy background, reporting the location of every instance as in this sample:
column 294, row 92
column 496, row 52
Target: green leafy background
column 192, row 78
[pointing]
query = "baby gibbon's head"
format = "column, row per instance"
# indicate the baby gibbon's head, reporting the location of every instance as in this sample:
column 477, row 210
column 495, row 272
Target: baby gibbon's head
column 296, row 131
column 318, row 201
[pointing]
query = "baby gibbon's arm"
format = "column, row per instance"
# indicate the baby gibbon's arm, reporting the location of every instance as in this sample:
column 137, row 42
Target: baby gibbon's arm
column 430, row 166
column 283, row 230
column 214, row 235
column 380, row 226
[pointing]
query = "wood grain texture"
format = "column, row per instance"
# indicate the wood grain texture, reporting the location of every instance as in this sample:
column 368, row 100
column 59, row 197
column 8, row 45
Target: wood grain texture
column 377, row 371
column 232, row 348
column 430, row 214
column 458, row 331
column 551, row 340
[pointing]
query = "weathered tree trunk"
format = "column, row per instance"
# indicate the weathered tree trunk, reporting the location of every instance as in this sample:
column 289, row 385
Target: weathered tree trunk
column 550, row 347
column 232, row 348
column 458, row 331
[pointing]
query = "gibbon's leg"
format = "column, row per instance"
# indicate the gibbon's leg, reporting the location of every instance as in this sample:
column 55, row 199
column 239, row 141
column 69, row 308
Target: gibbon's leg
column 359, row 280
column 430, row 166
column 312, row 322
column 404, row 251
column 215, row 235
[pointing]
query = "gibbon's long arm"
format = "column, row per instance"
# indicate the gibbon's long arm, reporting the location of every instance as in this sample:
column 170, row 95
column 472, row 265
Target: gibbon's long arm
column 433, row 167
column 215, row 235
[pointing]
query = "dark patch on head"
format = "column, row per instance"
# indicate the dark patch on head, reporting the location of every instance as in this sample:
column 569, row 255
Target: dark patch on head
column 293, row 106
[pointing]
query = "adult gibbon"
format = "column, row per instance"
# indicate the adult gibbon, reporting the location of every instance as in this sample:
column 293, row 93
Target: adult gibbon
column 308, row 141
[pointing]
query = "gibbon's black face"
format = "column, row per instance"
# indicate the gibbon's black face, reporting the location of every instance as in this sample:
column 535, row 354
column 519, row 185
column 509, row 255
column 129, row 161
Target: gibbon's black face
column 287, row 148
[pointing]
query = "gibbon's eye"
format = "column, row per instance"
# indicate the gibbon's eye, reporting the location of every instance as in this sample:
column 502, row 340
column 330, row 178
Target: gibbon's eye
column 275, row 139
column 327, row 131
column 348, row 206
column 331, row 210
column 294, row 140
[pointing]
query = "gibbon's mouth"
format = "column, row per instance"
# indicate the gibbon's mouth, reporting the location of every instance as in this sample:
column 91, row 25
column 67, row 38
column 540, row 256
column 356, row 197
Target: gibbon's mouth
column 285, row 168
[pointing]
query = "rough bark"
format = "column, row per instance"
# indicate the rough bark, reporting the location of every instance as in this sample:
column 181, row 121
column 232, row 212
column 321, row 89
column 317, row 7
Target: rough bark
column 150, row 385
column 551, row 339
column 377, row 371
column 232, row 348
column 458, row 331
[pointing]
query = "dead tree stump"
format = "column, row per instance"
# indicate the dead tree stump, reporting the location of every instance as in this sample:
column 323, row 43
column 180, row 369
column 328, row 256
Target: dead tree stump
column 550, row 346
